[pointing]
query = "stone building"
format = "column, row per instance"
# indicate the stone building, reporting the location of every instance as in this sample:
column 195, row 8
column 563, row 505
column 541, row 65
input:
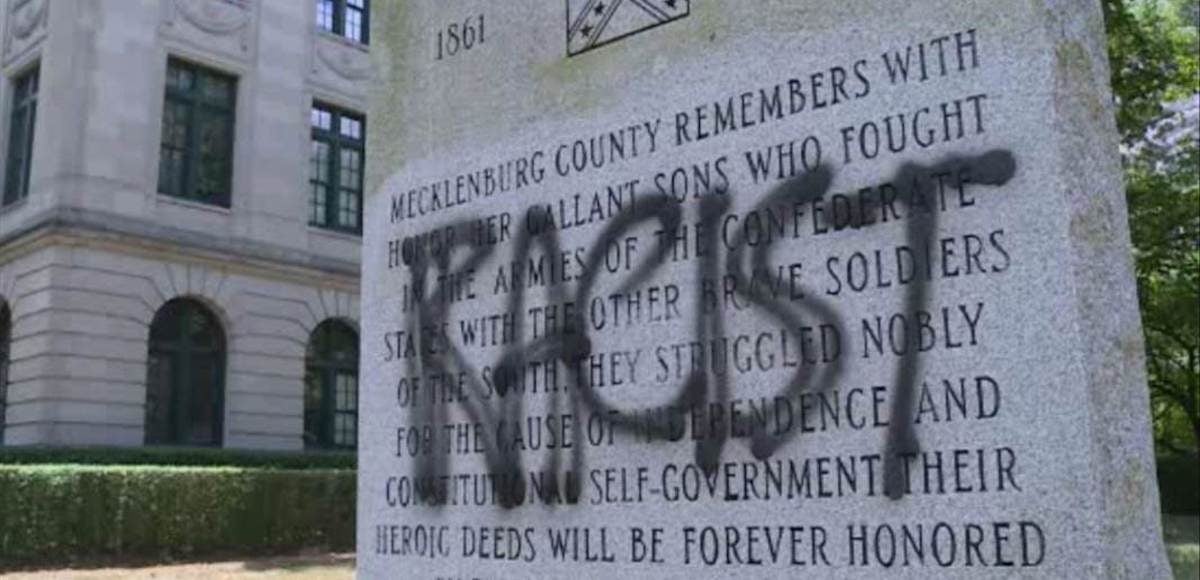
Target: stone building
column 179, row 230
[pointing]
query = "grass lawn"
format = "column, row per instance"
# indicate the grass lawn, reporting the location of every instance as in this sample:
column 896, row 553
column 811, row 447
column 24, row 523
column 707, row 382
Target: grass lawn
column 1183, row 545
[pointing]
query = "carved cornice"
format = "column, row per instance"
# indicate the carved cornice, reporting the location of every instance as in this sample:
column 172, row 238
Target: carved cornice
column 100, row 230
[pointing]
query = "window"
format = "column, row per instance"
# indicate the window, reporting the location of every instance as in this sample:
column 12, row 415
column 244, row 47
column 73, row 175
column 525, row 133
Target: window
column 336, row 169
column 346, row 18
column 196, row 158
column 5, row 336
column 184, row 376
column 331, row 387
column 20, row 137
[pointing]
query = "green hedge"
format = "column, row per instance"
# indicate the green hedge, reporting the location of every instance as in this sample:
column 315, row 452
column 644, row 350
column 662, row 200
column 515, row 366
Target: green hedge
column 58, row 514
column 1179, row 483
column 176, row 456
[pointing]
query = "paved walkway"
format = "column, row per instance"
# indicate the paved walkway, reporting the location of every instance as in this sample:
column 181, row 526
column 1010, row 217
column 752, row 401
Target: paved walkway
column 324, row 567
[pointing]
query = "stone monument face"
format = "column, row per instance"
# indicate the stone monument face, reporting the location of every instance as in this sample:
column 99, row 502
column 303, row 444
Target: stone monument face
column 672, row 289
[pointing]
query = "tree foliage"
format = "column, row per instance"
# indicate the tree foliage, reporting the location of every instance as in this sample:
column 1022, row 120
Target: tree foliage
column 1155, row 59
column 1165, row 224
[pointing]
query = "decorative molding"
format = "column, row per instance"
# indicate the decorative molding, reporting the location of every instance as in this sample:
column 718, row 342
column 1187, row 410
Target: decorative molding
column 335, row 304
column 213, row 16
column 27, row 17
column 126, row 235
column 216, row 17
column 342, row 62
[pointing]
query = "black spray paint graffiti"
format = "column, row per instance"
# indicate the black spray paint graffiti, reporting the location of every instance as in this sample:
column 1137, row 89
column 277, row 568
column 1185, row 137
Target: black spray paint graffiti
column 504, row 464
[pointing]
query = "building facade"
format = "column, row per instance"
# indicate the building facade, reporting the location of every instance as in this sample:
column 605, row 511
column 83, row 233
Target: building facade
column 180, row 218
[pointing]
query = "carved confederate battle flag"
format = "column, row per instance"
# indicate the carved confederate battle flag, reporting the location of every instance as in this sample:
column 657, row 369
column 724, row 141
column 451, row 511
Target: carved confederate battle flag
column 593, row 23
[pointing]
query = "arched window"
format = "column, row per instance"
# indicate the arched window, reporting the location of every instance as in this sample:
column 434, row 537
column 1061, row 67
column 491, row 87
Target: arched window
column 5, row 337
column 185, row 376
column 331, row 387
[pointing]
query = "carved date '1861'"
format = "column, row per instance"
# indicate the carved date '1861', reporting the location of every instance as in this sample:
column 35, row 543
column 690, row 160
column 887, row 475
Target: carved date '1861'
column 460, row 37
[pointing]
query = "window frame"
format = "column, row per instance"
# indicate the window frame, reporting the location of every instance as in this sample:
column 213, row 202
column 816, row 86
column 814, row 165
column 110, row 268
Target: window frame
column 336, row 142
column 5, row 350
column 181, row 353
column 325, row 369
column 22, row 116
column 337, row 25
column 199, row 107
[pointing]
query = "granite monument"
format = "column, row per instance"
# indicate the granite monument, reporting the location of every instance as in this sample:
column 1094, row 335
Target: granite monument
column 676, row 289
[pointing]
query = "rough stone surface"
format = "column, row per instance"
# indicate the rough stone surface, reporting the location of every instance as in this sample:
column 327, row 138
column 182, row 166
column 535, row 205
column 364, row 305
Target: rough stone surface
column 916, row 355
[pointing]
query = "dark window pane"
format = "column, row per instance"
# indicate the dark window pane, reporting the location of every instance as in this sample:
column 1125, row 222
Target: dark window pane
column 196, row 157
column 179, row 78
column 203, row 331
column 325, row 9
column 347, row 430
column 351, row 128
column 170, row 172
column 322, row 118
column 319, row 178
column 174, row 148
column 347, row 392
column 20, row 137
column 349, row 172
column 184, row 376
column 351, row 161
column 218, row 90
column 201, row 419
column 354, row 25
column 16, row 157
column 346, row 18
column 337, row 169
column 313, row 435
column 348, row 210
column 159, row 377
column 331, row 387
column 342, row 346
column 168, row 323
column 5, row 340
column 317, row 202
column 175, row 126
column 213, row 170
column 320, row 161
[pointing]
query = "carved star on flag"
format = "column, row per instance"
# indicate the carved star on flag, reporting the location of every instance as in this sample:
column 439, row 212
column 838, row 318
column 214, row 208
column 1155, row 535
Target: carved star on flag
column 592, row 23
